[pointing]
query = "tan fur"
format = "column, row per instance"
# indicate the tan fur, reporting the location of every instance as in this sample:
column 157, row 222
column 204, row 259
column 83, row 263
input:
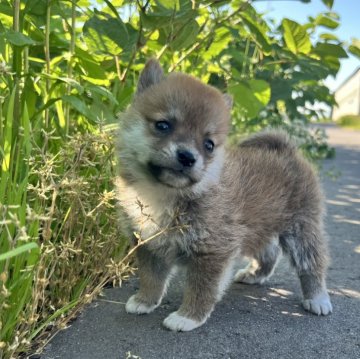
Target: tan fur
column 249, row 200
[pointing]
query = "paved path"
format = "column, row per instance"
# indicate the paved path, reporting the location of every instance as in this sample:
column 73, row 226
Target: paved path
column 251, row 321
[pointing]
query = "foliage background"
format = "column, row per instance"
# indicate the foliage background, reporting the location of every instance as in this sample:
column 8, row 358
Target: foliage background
column 67, row 68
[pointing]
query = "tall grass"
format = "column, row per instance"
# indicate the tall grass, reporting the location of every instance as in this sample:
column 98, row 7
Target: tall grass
column 59, row 241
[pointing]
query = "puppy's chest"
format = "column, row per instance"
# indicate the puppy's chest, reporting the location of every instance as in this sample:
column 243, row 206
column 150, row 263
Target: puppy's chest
column 169, row 222
column 150, row 210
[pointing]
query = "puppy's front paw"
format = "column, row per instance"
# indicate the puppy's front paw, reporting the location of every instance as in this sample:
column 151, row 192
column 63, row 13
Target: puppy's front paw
column 177, row 322
column 136, row 306
column 319, row 305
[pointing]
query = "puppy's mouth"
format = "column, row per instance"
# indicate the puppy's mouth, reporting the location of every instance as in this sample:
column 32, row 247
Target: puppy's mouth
column 174, row 177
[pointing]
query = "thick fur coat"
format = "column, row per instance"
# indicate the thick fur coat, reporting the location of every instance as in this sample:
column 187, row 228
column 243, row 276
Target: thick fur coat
column 204, row 204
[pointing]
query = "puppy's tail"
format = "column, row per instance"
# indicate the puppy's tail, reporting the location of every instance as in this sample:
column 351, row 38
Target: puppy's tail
column 271, row 140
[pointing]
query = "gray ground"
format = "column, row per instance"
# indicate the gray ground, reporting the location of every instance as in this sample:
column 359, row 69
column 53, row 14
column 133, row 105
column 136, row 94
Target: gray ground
column 251, row 321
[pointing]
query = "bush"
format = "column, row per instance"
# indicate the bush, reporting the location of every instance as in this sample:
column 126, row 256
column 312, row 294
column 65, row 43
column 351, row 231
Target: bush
column 351, row 121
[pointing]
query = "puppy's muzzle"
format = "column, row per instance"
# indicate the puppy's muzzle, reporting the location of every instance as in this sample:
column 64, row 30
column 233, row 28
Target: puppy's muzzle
column 185, row 158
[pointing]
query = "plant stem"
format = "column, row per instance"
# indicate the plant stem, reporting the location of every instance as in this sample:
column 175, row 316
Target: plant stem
column 47, row 59
column 70, row 61
column 16, row 67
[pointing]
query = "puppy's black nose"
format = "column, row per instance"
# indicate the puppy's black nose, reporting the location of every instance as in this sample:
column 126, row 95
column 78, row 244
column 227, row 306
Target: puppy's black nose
column 186, row 158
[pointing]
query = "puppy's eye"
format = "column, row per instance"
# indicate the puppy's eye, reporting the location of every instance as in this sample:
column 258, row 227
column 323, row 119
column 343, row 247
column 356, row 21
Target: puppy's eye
column 209, row 145
column 163, row 126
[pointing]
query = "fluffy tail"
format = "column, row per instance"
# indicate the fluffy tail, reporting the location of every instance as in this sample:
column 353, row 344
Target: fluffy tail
column 274, row 140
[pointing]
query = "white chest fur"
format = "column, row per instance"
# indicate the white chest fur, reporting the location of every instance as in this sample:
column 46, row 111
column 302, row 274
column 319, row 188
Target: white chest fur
column 150, row 209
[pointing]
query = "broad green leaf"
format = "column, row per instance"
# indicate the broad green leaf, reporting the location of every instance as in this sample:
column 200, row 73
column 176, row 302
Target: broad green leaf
column 251, row 96
column 221, row 39
column 296, row 38
column 6, row 9
column 162, row 17
column 108, row 35
column 325, row 49
column 354, row 48
column 333, row 63
column 185, row 36
column 36, row 7
column 328, row 3
column 169, row 4
column 80, row 106
column 326, row 21
column 18, row 39
column 103, row 92
column 326, row 36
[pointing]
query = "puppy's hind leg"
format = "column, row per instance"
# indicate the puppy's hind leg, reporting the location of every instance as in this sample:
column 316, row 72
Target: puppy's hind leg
column 307, row 249
column 262, row 266
column 154, row 275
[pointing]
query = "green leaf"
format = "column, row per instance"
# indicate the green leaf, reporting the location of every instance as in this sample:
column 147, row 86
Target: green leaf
column 18, row 39
column 109, row 35
column 354, row 48
column 325, row 49
column 296, row 38
column 19, row 250
column 36, row 7
column 102, row 91
column 169, row 4
column 328, row 3
column 80, row 106
column 326, row 21
column 327, row 36
column 251, row 96
column 220, row 41
column 185, row 36
column 258, row 33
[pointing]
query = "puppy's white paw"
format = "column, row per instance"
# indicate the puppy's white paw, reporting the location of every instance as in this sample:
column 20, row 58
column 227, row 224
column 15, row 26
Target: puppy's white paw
column 245, row 276
column 319, row 305
column 134, row 306
column 179, row 323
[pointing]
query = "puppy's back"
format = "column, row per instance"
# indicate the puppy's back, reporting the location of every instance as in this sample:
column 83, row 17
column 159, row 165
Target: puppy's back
column 271, row 140
column 269, row 182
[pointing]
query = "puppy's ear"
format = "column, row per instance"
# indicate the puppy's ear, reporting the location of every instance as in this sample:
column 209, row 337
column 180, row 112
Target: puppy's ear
column 152, row 74
column 228, row 100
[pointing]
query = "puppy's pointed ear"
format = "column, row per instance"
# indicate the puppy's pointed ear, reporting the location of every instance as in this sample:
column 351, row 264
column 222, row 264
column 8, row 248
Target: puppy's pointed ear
column 228, row 100
column 151, row 75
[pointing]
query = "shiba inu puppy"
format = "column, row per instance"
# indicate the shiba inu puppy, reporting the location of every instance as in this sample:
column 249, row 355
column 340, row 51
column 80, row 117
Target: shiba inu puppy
column 203, row 205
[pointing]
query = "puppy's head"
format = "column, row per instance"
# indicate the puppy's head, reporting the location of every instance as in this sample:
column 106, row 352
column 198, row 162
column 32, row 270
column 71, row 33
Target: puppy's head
column 174, row 132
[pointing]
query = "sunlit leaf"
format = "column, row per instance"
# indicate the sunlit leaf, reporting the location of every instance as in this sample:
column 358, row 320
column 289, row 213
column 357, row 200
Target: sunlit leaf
column 330, row 37
column 296, row 38
column 251, row 96
column 354, row 48
column 326, row 21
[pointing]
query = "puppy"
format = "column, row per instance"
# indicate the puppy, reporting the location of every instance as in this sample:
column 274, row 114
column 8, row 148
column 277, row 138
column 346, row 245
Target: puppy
column 202, row 205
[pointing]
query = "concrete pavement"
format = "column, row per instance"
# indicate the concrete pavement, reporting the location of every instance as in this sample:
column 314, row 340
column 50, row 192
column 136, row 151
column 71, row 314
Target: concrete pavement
column 251, row 321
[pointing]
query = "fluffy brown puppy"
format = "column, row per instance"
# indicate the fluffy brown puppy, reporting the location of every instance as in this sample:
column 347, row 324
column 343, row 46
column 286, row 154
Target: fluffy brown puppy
column 212, row 204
